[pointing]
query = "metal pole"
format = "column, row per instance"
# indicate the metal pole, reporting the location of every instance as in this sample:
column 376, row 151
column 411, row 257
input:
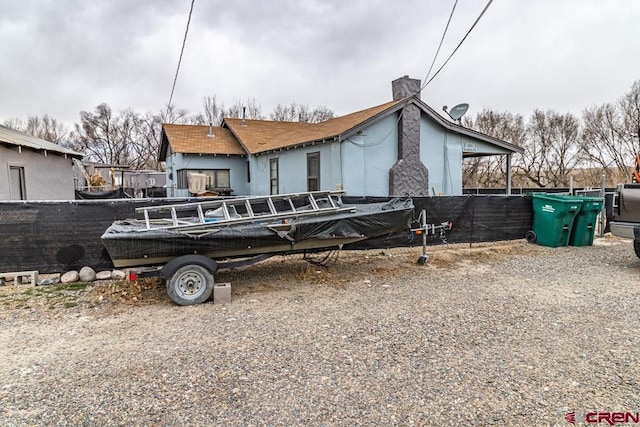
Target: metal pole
column 424, row 232
column 571, row 185
column 603, row 213
column 424, row 258
column 509, row 173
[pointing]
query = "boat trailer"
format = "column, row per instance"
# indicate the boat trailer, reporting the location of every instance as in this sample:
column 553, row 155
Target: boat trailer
column 188, row 277
column 190, row 274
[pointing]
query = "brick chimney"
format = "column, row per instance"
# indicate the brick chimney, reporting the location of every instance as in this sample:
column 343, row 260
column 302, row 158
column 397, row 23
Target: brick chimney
column 408, row 176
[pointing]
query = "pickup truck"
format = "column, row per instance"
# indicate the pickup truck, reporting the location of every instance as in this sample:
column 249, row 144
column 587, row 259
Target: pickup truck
column 626, row 214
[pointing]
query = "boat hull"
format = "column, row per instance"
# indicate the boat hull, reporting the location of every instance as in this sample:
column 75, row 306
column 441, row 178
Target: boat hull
column 130, row 244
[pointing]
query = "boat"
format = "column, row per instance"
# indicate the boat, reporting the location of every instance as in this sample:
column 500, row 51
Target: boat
column 251, row 226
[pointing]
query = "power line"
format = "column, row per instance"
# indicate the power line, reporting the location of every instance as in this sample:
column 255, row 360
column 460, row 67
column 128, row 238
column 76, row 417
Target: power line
column 441, row 40
column 184, row 41
column 459, row 44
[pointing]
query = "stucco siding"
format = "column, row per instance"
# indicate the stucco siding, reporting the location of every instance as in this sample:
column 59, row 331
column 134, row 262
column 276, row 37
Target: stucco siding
column 292, row 170
column 367, row 158
column 237, row 171
column 47, row 177
column 441, row 153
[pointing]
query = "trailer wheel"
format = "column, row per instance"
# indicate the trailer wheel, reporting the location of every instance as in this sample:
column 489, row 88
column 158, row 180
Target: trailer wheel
column 190, row 284
column 636, row 247
column 530, row 236
column 423, row 259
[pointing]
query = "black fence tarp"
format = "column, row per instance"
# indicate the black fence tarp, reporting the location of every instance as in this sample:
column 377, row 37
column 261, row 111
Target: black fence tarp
column 474, row 219
column 119, row 193
column 60, row 236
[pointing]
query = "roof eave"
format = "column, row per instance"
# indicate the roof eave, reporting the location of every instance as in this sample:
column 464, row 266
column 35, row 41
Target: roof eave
column 297, row 145
column 164, row 145
column 365, row 124
column 466, row 131
column 45, row 151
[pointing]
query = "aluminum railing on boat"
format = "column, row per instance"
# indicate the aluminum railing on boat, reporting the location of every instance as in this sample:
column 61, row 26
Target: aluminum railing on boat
column 220, row 212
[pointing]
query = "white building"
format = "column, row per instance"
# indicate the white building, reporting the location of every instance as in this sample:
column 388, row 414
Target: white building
column 34, row 169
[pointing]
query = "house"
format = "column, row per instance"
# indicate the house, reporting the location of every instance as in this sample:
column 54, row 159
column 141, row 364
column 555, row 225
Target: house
column 34, row 169
column 396, row 148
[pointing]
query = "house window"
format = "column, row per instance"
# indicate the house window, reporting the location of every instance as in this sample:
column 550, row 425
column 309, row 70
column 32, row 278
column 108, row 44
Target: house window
column 17, row 188
column 273, row 175
column 313, row 171
column 218, row 178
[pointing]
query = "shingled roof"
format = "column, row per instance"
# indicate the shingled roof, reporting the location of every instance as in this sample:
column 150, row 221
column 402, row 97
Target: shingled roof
column 242, row 137
column 238, row 137
column 195, row 139
column 258, row 136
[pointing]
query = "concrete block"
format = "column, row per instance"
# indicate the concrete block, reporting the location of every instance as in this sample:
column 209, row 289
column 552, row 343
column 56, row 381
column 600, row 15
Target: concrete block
column 21, row 277
column 222, row 293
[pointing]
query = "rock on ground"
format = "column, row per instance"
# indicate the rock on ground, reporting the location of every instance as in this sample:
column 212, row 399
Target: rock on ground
column 70, row 277
column 87, row 274
column 103, row 275
column 118, row 275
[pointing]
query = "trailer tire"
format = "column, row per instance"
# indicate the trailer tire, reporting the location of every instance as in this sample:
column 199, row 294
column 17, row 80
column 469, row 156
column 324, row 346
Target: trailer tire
column 190, row 279
column 636, row 247
column 190, row 284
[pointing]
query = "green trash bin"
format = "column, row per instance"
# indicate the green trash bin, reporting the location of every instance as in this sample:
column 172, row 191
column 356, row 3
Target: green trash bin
column 584, row 225
column 553, row 218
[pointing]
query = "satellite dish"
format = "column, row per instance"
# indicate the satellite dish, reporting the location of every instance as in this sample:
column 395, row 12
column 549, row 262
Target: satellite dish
column 458, row 111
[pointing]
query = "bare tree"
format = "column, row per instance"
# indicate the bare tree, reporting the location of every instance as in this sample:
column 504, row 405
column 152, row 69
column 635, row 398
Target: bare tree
column 611, row 134
column 212, row 112
column 248, row 110
column 301, row 113
column 109, row 139
column 285, row 113
column 149, row 140
column 44, row 127
column 322, row 113
column 552, row 150
column 490, row 171
column 173, row 114
column 606, row 142
column 15, row 124
column 629, row 106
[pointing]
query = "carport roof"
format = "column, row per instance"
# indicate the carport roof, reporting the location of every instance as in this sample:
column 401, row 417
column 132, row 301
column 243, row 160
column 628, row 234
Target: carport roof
column 10, row 136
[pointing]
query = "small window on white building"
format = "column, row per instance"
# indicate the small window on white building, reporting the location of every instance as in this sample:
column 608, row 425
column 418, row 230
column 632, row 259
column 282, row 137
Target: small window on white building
column 17, row 188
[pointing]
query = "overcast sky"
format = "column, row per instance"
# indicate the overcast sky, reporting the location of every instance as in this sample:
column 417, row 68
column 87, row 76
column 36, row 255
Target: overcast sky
column 59, row 57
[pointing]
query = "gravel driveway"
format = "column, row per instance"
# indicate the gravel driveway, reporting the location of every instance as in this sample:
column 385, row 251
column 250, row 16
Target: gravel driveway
column 501, row 334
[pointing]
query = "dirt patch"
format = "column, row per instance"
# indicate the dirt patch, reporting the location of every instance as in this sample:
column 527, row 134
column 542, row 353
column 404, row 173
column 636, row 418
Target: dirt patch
column 278, row 273
column 83, row 295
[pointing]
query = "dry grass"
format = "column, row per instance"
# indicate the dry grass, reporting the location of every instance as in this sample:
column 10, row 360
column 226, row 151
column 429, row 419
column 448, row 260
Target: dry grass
column 275, row 274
